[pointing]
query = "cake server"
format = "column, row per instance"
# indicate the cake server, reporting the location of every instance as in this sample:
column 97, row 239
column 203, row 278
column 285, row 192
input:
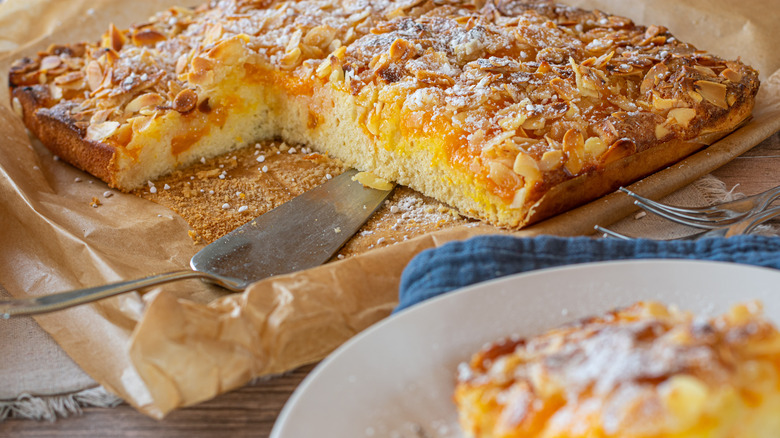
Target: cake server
column 301, row 233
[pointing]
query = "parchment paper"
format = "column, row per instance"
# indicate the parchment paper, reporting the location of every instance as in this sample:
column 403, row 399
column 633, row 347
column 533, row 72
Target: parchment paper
column 186, row 342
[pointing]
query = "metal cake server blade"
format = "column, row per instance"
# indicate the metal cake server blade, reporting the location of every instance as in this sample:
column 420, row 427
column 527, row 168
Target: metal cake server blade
column 301, row 233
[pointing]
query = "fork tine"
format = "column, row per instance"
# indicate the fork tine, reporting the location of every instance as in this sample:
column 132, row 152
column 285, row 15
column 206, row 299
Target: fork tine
column 765, row 198
column 718, row 232
column 612, row 233
column 684, row 210
column 702, row 222
column 747, row 226
column 728, row 209
column 704, row 218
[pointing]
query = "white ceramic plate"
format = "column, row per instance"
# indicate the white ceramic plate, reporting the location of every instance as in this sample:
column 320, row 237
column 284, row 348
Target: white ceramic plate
column 396, row 378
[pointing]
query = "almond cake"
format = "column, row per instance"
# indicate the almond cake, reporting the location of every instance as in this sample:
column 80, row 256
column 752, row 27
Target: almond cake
column 509, row 111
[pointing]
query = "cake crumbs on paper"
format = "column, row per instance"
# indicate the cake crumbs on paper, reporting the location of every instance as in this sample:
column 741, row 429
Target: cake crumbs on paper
column 197, row 193
column 405, row 215
column 95, row 202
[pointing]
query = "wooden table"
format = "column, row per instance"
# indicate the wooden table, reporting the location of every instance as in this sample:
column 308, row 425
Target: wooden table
column 252, row 410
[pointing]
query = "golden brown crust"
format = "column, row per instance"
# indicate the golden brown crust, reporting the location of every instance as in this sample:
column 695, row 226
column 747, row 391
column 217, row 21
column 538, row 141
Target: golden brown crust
column 510, row 111
column 580, row 190
column 61, row 135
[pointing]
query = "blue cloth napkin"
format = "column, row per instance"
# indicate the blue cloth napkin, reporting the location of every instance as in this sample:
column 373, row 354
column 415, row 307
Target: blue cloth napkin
column 458, row 264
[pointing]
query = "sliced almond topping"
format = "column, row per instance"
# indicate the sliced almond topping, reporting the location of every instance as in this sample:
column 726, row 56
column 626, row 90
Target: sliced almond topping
column 584, row 84
column 401, row 49
column 230, row 51
column 141, row 123
column 334, row 45
column 469, row 51
column 101, row 131
column 117, row 38
column 534, row 123
column 290, row 59
column 395, row 13
column 594, row 147
column 100, row 116
column 108, row 79
column 695, row 96
column 320, row 36
column 652, row 77
column 527, row 167
column 661, row 131
column 511, row 123
column 434, row 78
column 70, row 78
column 212, row 33
column 379, row 62
column 519, row 199
column 324, row 69
column 94, row 75
column 295, row 41
column 544, row 67
column 123, row 134
column 147, row 37
column 336, row 74
column 577, row 74
column 340, row 53
column 368, row 179
column 143, row 101
column 55, row 92
column 499, row 140
column 563, row 88
column 201, row 63
column 662, row 104
column 706, row 71
column 573, row 110
column 551, row 160
column 185, row 101
column 17, row 106
column 181, row 64
column 732, row 75
column 574, row 147
column 502, row 175
column 682, row 116
column 730, row 99
column 619, row 150
column 604, row 59
column 373, row 119
column 50, row 62
column 713, row 92
column 200, row 71
column 108, row 58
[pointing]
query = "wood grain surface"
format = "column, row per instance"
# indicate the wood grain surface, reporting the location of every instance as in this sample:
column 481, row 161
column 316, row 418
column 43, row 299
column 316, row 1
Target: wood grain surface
column 252, row 410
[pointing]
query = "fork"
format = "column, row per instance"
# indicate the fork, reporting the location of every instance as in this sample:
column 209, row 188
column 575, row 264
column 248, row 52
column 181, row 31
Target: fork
column 744, row 226
column 711, row 217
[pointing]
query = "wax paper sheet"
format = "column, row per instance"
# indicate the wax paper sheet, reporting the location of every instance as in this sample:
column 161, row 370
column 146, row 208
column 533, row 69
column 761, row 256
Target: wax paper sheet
column 186, row 342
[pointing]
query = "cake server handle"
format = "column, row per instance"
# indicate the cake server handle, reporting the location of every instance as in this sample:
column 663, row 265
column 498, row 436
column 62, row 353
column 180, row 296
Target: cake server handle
column 64, row 300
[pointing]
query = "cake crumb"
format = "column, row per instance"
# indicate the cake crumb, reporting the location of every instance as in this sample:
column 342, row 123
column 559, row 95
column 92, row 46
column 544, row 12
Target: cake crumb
column 196, row 239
